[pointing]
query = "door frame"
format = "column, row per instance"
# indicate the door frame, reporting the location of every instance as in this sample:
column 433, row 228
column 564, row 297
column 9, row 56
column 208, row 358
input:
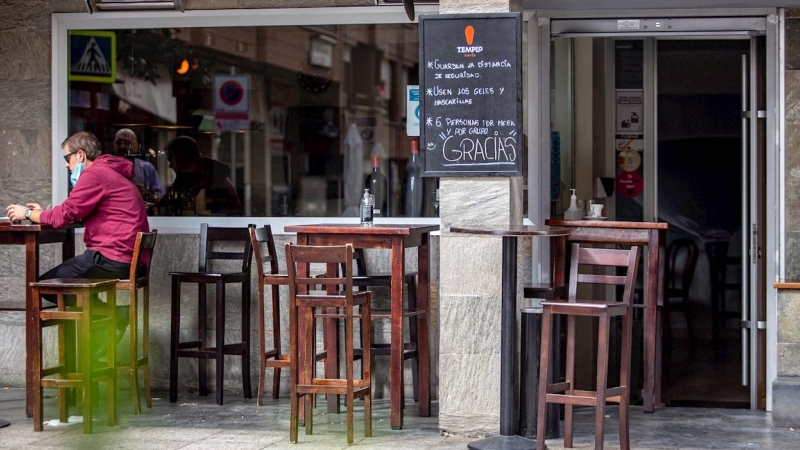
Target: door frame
column 539, row 31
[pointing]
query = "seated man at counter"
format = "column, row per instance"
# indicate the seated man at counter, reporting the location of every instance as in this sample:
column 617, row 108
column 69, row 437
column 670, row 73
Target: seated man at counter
column 108, row 204
column 145, row 175
column 202, row 181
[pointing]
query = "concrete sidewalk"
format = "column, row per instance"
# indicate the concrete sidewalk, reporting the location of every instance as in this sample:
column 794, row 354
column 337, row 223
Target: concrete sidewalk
column 198, row 423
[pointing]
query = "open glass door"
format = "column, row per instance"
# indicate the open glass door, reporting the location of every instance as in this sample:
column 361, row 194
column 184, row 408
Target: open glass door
column 753, row 323
column 670, row 112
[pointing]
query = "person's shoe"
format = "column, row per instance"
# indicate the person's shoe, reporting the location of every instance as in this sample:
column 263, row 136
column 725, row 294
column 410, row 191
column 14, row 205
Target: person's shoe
column 123, row 320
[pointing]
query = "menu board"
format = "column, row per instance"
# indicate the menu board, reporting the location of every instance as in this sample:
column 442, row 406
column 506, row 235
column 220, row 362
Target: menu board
column 471, row 95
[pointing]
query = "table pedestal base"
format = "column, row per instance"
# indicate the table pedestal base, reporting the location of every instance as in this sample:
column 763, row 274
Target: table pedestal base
column 503, row 443
column 4, row 423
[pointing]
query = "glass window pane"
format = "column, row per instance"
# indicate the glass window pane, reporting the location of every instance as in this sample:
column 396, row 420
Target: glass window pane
column 258, row 121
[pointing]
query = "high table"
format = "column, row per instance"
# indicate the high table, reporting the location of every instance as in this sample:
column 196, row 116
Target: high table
column 508, row 323
column 31, row 235
column 652, row 235
column 397, row 238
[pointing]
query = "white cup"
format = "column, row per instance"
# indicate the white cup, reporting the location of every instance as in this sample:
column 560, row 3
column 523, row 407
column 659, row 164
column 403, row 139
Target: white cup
column 597, row 209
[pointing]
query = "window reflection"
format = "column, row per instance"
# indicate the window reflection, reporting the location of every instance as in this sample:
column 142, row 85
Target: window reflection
column 259, row 121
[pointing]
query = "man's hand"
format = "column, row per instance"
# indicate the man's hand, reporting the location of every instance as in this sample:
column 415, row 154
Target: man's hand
column 16, row 213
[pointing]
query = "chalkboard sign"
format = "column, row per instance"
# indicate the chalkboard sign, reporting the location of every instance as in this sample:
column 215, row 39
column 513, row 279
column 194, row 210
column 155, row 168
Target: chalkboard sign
column 471, row 89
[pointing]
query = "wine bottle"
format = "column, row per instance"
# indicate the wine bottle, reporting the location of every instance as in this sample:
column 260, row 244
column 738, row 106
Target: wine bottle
column 414, row 183
column 378, row 185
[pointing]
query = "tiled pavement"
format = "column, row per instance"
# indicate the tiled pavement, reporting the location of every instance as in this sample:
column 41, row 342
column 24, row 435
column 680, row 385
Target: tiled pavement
column 198, row 423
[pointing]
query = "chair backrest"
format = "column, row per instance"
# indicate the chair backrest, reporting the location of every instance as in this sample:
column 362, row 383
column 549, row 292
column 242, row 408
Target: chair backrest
column 142, row 255
column 603, row 257
column 312, row 254
column 267, row 263
column 212, row 239
column 682, row 257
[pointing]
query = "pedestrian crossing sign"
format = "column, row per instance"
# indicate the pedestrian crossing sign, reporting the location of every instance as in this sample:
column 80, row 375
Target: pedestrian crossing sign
column 93, row 56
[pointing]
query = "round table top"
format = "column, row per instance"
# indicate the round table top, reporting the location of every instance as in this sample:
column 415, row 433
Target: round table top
column 512, row 230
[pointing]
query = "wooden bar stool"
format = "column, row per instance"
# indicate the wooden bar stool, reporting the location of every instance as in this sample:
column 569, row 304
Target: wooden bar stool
column 565, row 392
column 139, row 278
column 331, row 304
column 270, row 278
column 87, row 319
column 362, row 280
column 215, row 248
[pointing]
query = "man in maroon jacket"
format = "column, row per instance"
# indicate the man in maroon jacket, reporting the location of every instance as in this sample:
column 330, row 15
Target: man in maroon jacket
column 108, row 204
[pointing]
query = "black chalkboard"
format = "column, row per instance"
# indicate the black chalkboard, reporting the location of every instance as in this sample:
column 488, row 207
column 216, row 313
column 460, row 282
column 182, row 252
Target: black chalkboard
column 471, row 89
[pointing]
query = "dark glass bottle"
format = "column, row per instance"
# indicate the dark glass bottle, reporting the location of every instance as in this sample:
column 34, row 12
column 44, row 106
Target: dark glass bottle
column 413, row 191
column 378, row 185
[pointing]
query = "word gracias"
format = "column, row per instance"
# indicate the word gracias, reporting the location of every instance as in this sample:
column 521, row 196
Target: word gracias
column 491, row 149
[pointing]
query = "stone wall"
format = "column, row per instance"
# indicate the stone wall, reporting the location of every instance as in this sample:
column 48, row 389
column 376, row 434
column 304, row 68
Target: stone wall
column 25, row 161
column 786, row 388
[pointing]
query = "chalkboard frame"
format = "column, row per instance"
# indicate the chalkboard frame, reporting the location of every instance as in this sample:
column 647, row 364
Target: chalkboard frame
column 475, row 171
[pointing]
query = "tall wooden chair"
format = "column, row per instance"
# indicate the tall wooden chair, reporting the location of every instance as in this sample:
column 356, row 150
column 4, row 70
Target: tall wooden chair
column 215, row 243
column 139, row 278
column 565, row 392
column 88, row 317
column 681, row 264
column 270, row 355
column 364, row 280
column 307, row 305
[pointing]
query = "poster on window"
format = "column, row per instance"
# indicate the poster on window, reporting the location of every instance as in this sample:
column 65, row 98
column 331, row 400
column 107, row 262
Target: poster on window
column 629, row 110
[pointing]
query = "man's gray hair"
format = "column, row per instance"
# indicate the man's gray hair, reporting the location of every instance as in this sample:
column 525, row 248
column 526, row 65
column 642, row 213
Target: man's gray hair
column 86, row 141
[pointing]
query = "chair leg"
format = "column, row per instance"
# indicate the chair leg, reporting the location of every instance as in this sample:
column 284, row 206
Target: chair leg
column 38, row 408
column 349, row 353
column 544, row 373
column 569, row 378
column 624, row 380
column 111, row 357
column 85, row 364
column 412, row 333
column 202, row 318
column 276, row 338
column 602, row 380
column 262, row 350
column 687, row 313
column 308, row 377
column 173, row 341
column 134, row 352
column 63, row 330
column 367, row 367
column 294, row 376
column 247, row 389
column 220, row 342
column 145, row 361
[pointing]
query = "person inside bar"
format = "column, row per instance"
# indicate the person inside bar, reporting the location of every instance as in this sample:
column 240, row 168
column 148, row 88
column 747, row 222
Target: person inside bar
column 145, row 176
column 203, row 184
column 109, row 206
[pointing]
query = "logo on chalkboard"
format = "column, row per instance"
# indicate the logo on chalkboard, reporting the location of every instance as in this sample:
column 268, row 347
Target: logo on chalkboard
column 469, row 34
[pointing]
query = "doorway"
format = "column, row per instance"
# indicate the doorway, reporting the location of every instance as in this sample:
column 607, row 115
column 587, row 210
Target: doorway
column 671, row 127
column 700, row 194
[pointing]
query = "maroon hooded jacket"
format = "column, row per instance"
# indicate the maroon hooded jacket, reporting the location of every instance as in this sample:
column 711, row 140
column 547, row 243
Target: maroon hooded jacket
column 108, row 204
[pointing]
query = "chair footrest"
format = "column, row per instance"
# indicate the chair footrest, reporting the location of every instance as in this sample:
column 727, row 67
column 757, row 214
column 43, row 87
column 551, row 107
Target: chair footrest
column 545, row 291
column 587, row 308
column 581, row 397
column 334, row 386
column 387, row 313
column 211, row 352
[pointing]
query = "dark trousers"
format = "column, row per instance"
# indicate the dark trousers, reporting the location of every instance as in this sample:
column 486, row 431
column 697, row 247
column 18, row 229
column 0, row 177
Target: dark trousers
column 89, row 264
